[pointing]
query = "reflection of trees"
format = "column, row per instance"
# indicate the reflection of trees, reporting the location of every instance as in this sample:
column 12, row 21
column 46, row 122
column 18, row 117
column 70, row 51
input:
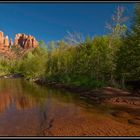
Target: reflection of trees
column 26, row 95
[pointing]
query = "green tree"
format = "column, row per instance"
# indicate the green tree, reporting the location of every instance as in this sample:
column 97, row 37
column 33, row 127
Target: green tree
column 128, row 61
column 117, row 29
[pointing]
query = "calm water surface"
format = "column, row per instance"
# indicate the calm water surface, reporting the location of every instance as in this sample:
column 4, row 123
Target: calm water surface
column 27, row 109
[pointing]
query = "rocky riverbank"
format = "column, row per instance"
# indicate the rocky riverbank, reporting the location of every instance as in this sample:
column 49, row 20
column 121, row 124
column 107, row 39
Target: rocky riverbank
column 106, row 95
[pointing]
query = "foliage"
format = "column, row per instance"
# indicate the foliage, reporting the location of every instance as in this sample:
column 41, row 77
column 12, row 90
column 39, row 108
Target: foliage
column 31, row 64
column 107, row 60
column 128, row 58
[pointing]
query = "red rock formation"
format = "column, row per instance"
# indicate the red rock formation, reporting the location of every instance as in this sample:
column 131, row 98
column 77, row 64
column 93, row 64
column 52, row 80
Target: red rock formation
column 16, row 40
column 4, row 46
column 21, row 40
column 11, row 43
column 6, row 41
column 2, row 39
column 25, row 41
column 34, row 42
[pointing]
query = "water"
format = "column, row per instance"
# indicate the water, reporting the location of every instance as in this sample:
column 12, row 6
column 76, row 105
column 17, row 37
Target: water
column 27, row 109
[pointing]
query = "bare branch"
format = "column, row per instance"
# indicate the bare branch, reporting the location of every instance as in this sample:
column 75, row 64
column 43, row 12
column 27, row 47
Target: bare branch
column 73, row 38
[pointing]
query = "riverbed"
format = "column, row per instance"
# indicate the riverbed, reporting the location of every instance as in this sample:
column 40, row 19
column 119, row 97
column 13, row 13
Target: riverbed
column 27, row 109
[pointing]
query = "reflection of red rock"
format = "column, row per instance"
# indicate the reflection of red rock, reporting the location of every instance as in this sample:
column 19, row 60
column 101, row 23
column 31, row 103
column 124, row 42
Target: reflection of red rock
column 5, row 101
column 21, row 102
column 25, row 103
column 25, row 41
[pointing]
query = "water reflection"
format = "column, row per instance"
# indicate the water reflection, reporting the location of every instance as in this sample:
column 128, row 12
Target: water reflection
column 28, row 95
column 28, row 109
column 5, row 101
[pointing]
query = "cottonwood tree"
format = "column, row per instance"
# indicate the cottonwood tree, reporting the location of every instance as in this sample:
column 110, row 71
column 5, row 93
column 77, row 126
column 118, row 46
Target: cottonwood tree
column 128, row 62
column 117, row 29
column 74, row 38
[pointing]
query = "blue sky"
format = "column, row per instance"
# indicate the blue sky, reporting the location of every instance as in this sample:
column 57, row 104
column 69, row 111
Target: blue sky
column 51, row 21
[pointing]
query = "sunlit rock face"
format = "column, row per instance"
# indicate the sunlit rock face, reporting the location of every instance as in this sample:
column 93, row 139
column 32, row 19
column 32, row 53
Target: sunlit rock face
column 4, row 46
column 1, row 39
column 20, row 41
column 25, row 41
column 4, row 41
column 11, row 43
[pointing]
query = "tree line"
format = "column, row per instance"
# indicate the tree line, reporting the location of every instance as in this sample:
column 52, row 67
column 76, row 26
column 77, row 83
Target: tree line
column 107, row 60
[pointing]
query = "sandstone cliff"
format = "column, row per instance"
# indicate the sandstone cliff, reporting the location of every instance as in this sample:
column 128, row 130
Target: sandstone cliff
column 4, row 41
column 25, row 41
column 22, row 41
